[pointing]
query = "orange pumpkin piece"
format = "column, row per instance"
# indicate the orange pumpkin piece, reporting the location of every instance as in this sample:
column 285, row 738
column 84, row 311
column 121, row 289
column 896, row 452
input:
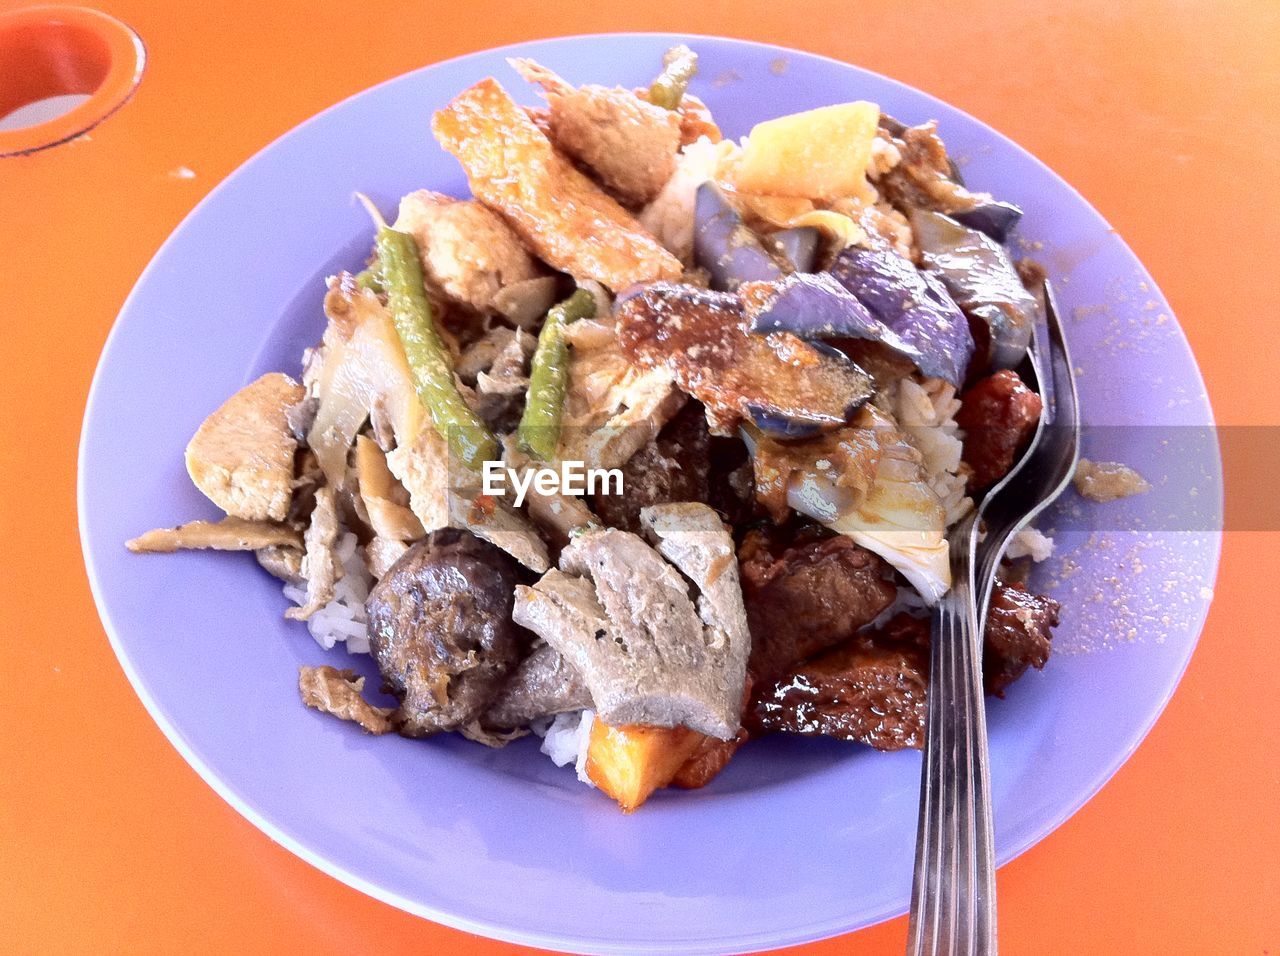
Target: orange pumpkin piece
column 631, row 761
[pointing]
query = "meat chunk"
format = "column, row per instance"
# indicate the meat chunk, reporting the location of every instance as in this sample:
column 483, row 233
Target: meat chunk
column 922, row 177
column 440, row 629
column 560, row 213
column 283, row 562
column 241, row 458
column 341, row 693
column 624, row 618
column 807, row 596
column 871, row 689
column 675, row 466
column 468, row 251
column 1017, row 635
column 628, row 143
column 544, row 684
column 692, row 538
column 998, row 415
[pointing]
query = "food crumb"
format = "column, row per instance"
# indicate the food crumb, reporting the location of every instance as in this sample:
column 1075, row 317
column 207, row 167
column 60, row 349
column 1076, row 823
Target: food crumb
column 182, row 172
column 779, row 66
column 725, row 77
column 1206, row 593
column 1104, row 481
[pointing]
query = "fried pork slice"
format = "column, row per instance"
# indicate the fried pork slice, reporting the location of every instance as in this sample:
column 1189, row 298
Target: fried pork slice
column 628, row 143
column 468, row 251
column 341, row 693
column 241, row 458
column 624, row 619
column 229, row 534
column 561, row 214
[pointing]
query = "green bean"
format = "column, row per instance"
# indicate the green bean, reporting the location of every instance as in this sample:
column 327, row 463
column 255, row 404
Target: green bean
column 679, row 65
column 539, row 429
column 429, row 358
column 370, row 279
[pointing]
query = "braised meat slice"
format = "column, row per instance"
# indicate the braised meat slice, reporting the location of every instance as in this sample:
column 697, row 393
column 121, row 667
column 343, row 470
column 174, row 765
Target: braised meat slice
column 872, row 689
column 806, row 597
column 998, row 415
column 1017, row 635
column 675, row 466
column 658, row 633
column 440, row 629
column 543, row 685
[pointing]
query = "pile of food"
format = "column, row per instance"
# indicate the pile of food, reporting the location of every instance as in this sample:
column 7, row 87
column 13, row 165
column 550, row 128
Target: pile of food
column 799, row 351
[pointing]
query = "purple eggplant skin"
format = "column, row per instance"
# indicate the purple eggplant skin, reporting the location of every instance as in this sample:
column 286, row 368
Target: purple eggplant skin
column 791, row 387
column 982, row 280
column 797, row 247
column 788, row 426
column 813, row 307
column 723, row 245
column 914, row 305
column 994, row 218
column 818, row 307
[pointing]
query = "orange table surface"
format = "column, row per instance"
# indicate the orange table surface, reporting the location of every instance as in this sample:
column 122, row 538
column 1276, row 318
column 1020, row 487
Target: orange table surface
column 1165, row 114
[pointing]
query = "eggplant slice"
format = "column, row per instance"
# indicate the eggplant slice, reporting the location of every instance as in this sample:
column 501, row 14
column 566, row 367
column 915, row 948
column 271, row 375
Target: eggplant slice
column 789, row 388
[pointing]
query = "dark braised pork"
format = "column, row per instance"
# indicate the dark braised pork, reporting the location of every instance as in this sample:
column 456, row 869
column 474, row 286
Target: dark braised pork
column 807, row 596
column 998, row 414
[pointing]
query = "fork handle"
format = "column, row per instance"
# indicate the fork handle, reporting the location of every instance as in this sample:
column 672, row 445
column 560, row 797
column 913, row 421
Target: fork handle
column 953, row 895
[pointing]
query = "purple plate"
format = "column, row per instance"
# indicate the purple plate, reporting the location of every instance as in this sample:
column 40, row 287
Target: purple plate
column 798, row 839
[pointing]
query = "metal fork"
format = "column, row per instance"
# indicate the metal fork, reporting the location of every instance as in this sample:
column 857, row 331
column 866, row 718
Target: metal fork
column 953, row 903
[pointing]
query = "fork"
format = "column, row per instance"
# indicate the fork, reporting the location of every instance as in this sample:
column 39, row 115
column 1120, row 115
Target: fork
column 953, row 901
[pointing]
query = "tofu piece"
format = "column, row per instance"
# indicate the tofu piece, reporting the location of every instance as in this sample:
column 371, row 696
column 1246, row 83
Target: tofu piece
column 241, row 458
column 468, row 251
column 561, row 214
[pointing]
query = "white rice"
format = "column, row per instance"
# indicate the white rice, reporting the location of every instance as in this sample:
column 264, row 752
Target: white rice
column 342, row 619
column 926, row 411
column 565, row 740
column 1030, row 543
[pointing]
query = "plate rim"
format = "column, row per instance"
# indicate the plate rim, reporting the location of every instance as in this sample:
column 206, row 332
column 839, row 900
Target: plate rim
column 584, row 943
